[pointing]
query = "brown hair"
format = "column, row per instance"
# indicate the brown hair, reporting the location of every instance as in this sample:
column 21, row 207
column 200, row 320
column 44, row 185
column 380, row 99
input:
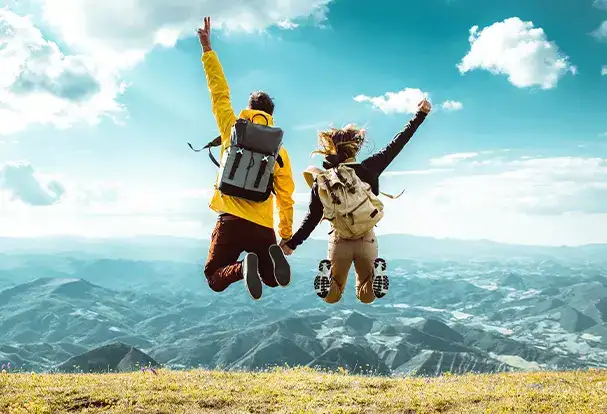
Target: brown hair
column 261, row 101
column 337, row 145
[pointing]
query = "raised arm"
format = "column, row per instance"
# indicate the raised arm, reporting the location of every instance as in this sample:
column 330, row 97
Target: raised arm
column 379, row 161
column 284, row 188
column 217, row 84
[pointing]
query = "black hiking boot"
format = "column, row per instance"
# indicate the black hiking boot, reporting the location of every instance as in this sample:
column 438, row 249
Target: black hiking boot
column 282, row 269
column 322, row 281
column 381, row 284
column 250, row 271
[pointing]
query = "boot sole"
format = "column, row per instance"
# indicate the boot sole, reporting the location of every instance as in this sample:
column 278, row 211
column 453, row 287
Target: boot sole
column 250, row 270
column 282, row 269
column 322, row 281
column 381, row 283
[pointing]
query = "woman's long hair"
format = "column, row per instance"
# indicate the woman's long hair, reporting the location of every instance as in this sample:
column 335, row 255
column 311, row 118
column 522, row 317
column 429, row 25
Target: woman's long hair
column 339, row 145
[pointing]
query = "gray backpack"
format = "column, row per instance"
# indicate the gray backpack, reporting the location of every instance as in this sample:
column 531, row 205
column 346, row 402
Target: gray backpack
column 247, row 165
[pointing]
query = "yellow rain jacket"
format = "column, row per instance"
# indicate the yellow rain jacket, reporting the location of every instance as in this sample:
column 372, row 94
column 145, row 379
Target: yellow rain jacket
column 260, row 213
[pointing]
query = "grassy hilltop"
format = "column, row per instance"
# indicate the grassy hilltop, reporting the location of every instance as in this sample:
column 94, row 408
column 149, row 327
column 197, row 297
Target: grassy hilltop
column 301, row 391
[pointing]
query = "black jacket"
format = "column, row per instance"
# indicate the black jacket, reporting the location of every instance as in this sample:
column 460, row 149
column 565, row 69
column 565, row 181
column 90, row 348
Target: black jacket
column 368, row 171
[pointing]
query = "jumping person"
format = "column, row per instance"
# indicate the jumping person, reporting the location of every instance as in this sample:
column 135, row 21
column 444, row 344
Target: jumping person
column 346, row 194
column 254, row 166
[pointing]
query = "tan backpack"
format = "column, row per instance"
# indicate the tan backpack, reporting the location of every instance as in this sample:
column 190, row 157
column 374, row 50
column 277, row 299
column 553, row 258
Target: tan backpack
column 349, row 204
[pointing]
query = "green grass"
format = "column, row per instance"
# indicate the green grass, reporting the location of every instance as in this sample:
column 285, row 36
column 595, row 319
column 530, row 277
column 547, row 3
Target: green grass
column 302, row 391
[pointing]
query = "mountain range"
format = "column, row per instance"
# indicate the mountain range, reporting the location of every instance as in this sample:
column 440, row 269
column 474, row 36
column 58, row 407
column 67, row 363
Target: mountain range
column 453, row 306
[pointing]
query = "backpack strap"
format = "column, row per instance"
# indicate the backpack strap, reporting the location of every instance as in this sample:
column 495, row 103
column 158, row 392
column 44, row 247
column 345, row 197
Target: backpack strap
column 217, row 142
column 391, row 196
column 214, row 143
column 236, row 163
column 348, row 184
column 261, row 171
column 264, row 117
column 334, row 197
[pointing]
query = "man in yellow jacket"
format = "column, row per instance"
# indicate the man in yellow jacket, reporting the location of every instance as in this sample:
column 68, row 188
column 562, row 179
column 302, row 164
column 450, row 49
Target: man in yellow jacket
column 246, row 226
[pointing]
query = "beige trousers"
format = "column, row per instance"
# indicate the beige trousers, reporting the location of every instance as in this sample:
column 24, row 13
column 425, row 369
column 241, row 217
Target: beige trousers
column 342, row 253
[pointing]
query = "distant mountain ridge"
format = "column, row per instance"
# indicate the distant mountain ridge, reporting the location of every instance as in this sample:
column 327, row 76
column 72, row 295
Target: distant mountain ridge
column 115, row 357
column 453, row 306
column 391, row 246
column 477, row 316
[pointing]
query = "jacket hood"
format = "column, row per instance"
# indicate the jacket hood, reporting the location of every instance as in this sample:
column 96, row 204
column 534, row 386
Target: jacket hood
column 256, row 116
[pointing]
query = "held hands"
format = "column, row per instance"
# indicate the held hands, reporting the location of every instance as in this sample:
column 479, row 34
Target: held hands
column 424, row 106
column 286, row 249
column 204, row 35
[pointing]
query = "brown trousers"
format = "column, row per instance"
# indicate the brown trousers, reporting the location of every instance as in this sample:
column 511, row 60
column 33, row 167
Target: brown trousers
column 342, row 253
column 232, row 236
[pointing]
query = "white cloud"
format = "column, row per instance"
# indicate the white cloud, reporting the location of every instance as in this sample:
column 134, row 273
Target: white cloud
column 601, row 32
column 287, row 24
column 404, row 101
column 312, row 126
column 102, row 210
column 604, row 70
column 133, row 27
column 600, row 4
column 520, row 51
column 452, row 105
column 452, row 159
column 553, row 201
column 431, row 171
column 551, row 186
column 24, row 185
column 41, row 85
column 530, row 200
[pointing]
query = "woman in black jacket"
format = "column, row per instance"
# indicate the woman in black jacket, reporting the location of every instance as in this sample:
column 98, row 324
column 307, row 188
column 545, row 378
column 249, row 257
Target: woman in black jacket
column 341, row 146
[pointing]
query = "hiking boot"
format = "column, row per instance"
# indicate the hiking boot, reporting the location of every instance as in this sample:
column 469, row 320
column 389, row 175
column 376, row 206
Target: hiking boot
column 282, row 269
column 322, row 281
column 250, row 271
column 380, row 279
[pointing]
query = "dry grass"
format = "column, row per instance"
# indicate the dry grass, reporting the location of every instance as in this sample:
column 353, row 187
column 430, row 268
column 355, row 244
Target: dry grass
column 303, row 391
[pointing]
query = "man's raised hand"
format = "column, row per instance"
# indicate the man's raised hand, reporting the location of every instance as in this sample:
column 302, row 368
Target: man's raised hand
column 425, row 106
column 204, row 35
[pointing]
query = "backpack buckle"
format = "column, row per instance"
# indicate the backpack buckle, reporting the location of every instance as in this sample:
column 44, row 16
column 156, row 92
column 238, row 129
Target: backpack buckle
column 239, row 151
column 265, row 158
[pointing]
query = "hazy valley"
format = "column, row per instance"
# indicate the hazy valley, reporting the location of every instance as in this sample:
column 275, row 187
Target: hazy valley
column 453, row 306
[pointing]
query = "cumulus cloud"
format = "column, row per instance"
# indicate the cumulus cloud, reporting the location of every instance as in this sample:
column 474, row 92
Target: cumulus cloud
column 526, row 199
column 21, row 180
column 287, row 24
column 404, row 101
column 601, row 32
column 452, row 159
column 431, row 171
column 41, row 85
column 452, row 105
column 555, row 200
column 518, row 50
column 133, row 27
column 600, row 4
column 546, row 186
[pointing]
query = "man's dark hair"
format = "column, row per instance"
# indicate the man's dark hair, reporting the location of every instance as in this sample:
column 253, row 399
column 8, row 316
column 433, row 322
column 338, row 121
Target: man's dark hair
column 261, row 101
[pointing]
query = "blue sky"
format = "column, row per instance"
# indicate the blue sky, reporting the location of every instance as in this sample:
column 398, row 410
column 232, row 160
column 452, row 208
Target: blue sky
column 522, row 157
